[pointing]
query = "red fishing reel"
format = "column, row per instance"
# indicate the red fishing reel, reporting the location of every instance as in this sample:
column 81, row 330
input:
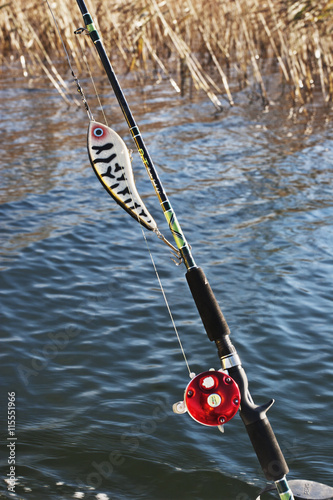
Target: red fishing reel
column 211, row 398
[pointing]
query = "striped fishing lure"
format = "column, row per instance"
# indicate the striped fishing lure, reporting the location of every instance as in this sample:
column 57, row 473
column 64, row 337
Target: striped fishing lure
column 111, row 162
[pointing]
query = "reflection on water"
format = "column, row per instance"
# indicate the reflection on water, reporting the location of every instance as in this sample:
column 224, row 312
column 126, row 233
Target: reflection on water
column 87, row 344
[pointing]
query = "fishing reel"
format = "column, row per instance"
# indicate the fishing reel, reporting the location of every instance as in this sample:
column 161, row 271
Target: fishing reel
column 212, row 398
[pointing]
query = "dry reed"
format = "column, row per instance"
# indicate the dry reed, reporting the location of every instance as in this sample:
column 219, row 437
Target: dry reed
column 217, row 46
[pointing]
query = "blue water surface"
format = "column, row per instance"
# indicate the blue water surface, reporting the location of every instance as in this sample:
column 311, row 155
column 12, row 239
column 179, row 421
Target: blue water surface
column 88, row 346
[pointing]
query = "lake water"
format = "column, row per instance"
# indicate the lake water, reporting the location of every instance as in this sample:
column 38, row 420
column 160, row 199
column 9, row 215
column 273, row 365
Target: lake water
column 88, row 347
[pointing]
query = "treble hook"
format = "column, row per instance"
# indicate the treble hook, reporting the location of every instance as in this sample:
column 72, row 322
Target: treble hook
column 174, row 251
column 176, row 255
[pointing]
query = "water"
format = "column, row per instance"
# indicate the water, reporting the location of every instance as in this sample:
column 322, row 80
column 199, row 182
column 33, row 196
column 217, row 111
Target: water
column 88, row 346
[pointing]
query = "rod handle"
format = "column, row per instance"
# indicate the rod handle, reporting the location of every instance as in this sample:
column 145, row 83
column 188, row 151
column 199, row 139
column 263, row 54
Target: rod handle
column 267, row 449
column 209, row 310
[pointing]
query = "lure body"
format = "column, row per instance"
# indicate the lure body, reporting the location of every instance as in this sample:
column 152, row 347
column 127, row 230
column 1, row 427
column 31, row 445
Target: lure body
column 111, row 162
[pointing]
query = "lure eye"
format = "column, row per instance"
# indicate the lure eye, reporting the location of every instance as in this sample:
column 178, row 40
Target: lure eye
column 98, row 132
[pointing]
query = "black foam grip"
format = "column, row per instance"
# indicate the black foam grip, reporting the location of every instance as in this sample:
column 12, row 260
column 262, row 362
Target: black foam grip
column 209, row 310
column 267, row 449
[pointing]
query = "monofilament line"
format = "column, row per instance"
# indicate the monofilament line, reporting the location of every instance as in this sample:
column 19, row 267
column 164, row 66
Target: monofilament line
column 167, row 303
column 77, row 32
column 79, row 88
column 159, row 279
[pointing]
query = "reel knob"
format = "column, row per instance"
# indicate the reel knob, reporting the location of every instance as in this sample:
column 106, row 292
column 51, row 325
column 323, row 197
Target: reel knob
column 212, row 398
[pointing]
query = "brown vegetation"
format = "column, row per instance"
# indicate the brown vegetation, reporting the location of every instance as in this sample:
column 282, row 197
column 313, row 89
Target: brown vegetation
column 216, row 45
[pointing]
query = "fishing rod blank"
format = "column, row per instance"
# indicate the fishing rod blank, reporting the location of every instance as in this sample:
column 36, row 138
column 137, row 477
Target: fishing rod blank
column 254, row 417
column 169, row 213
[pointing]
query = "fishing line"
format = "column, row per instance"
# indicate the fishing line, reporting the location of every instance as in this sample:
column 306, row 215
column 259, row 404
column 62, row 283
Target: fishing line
column 79, row 88
column 167, row 304
column 156, row 231
column 177, row 255
column 79, row 31
column 91, row 118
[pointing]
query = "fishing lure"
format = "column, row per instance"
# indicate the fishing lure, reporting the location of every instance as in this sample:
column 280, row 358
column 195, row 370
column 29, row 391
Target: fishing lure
column 111, row 162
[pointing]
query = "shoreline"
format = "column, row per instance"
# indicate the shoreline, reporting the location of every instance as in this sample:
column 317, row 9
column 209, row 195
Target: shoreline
column 212, row 47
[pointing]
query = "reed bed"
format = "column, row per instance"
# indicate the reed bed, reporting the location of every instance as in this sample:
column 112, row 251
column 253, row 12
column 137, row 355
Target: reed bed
column 214, row 46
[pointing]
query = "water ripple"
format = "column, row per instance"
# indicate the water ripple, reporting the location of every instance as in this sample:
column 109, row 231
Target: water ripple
column 87, row 342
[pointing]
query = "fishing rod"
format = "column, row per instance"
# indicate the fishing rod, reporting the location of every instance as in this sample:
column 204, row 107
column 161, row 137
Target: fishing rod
column 213, row 397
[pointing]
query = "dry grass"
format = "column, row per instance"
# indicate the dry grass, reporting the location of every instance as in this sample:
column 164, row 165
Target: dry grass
column 216, row 46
